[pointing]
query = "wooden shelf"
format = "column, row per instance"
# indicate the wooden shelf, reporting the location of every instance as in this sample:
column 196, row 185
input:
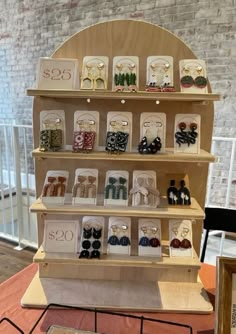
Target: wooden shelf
column 141, row 95
column 193, row 211
column 120, row 260
column 169, row 155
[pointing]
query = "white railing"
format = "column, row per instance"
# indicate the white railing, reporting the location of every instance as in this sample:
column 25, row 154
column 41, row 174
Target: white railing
column 17, row 185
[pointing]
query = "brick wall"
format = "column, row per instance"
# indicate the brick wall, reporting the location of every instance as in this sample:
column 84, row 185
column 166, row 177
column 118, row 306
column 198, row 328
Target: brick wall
column 30, row 29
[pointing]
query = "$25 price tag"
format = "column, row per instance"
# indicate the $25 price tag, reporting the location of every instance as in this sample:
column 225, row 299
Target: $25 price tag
column 60, row 236
column 57, row 73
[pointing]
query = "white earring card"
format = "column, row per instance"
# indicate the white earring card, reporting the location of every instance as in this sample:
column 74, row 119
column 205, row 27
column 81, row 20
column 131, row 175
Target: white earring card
column 60, row 236
column 144, row 192
column 149, row 234
column 121, row 122
column 125, row 73
column 116, row 188
column 94, row 73
column 85, row 186
column 85, row 122
column 153, row 125
column 160, row 72
column 57, row 73
column 180, row 237
column 119, row 236
column 92, row 235
column 52, row 130
column 193, row 76
column 187, row 133
column 54, row 188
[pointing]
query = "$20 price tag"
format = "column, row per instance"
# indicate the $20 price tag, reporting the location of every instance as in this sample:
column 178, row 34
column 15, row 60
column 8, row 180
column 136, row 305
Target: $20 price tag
column 60, row 236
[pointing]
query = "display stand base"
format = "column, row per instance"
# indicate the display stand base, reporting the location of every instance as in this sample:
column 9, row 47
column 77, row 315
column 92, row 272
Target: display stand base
column 118, row 295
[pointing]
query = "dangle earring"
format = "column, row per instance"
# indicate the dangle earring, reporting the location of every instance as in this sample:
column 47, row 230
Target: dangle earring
column 154, row 242
column 90, row 188
column 175, row 242
column 187, row 80
column 87, row 231
column 113, row 239
column 121, row 189
column 89, row 136
column 56, row 136
column 200, row 81
column 60, row 187
column 49, row 188
column 184, row 197
column 192, row 135
column 78, row 140
column 124, row 240
column 79, row 188
column 45, row 138
column 110, row 189
column 172, row 193
column 181, row 136
column 185, row 243
column 144, row 241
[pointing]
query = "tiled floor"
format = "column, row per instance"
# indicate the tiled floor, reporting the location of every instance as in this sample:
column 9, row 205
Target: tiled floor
column 213, row 248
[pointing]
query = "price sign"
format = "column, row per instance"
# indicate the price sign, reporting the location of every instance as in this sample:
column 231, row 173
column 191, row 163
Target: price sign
column 60, row 236
column 57, row 74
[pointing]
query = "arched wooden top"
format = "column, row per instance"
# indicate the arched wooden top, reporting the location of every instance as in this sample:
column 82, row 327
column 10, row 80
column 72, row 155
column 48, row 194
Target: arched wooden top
column 126, row 37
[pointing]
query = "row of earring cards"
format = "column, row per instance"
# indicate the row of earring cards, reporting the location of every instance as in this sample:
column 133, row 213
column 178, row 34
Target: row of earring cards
column 144, row 191
column 93, row 237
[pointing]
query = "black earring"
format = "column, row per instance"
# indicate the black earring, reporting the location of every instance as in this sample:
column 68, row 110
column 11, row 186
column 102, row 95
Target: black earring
column 124, row 241
column 84, row 254
column 95, row 254
column 143, row 147
column 155, row 146
column 87, row 233
column 96, row 244
column 86, row 244
column 181, row 136
column 97, row 233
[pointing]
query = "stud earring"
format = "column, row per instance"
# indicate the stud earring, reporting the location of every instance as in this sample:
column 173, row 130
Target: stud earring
column 87, row 232
column 95, row 254
column 84, row 254
column 97, row 233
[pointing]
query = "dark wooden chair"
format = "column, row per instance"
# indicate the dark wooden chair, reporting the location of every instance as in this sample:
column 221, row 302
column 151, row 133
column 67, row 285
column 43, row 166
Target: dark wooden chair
column 217, row 219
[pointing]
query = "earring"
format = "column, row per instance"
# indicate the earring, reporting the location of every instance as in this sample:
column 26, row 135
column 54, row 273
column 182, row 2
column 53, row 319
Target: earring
column 97, row 233
column 95, row 254
column 89, row 139
column 84, row 254
column 184, row 197
column 78, row 141
column 121, row 190
column 45, row 140
column 87, row 232
column 172, row 193
column 200, row 81
column 185, row 243
column 79, row 186
column 175, row 243
column 187, row 80
column 49, row 188
column 96, row 244
column 111, row 141
column 113, row 239
column 90, row 188
column 192, row 135
column 144, row 241
column 143, row 147
column 124, row 240
column 60, row 187
column 154, row 242
column 155, row 146
column 110, row 188
column 121, row 141
column 181, row 136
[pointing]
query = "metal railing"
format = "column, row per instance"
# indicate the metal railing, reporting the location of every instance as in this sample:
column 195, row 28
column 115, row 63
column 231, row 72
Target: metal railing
column 17, row 185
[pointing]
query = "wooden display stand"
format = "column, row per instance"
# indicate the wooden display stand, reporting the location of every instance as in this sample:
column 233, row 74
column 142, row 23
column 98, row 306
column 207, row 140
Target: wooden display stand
column 124, row 282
